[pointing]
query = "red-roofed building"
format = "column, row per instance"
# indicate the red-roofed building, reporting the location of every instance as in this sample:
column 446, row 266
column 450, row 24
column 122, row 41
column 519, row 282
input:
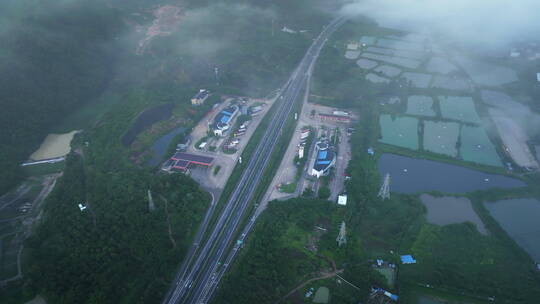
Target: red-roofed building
column 181, row 161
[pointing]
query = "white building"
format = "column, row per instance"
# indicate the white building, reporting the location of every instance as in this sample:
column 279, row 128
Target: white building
column 342, row 200
column 323, row 160
column 200, row 97
column 223, row 120
column 301, row 152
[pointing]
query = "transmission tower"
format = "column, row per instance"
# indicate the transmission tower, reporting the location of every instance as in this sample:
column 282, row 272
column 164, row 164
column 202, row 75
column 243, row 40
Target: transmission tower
column 342, row 236
column 384, row 192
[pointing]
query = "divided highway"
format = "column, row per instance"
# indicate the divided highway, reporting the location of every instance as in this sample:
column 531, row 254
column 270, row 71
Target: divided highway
column 204, row 266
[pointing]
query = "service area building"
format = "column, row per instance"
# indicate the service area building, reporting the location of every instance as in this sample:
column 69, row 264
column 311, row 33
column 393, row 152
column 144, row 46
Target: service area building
column 200, row 97
column 181, row 161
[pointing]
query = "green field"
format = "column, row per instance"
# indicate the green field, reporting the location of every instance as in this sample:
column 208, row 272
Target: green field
column 399, row 131
column 389, row 274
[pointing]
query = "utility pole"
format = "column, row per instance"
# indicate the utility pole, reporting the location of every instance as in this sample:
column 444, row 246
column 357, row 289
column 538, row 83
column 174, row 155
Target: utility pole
column 342, row 236
column 272, row 27
column 216, row 73
column 384, row 192
column 151, row 205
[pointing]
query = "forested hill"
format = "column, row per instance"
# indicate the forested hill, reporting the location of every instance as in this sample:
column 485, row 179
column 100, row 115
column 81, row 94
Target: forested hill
column 55, row 56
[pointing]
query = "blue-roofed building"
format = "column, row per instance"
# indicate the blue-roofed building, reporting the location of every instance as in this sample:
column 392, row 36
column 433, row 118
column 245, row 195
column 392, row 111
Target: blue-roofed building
column 407, row 259
column 223, row 120
column 325, row 158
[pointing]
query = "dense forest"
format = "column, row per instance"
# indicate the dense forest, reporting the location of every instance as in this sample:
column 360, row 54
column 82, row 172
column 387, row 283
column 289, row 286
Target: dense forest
column 55, row 56
column 286, row 249
column 120, row 249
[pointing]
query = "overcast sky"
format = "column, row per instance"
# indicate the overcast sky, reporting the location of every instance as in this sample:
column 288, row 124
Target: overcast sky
column 473, row 21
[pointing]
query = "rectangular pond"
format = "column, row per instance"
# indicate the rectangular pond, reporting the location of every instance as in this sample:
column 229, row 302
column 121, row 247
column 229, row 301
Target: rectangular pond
column 419, row 80
column 441, row 137
column 451, row 83
column 514, row 137
column 376, row 78
column 487, row 74
column 393, row 52
column 519, row 218
column 412, row 175
column 399, row 131
column 403, row 62
column 451, row 210
column 400, row 44
column 476, row 147
column 440, row 65
column 420, row 105
column 388, row 70
column 366, row 64
column 458, row 108
column 352, row 54
column 368, row 40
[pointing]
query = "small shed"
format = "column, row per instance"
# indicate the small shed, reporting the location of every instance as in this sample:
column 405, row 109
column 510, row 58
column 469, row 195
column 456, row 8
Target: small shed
column 342, row 200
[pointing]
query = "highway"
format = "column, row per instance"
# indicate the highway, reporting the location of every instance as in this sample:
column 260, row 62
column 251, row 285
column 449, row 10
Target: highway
column 204, row 265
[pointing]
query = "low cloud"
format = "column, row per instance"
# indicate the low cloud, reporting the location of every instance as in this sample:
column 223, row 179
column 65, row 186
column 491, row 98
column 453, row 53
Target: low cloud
column 479, row 22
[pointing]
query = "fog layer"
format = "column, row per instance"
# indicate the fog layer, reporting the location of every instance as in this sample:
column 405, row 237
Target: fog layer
column 479, row 22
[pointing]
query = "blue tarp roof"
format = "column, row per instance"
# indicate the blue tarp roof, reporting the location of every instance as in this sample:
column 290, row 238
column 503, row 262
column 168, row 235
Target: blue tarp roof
column 323, row 162
column 225, row 119
column 226, row 113
column 407, row 259
column 322, row 154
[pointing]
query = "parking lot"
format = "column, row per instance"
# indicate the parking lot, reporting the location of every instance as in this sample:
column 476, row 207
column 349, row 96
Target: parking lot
column 213, row 178
column 287, row 171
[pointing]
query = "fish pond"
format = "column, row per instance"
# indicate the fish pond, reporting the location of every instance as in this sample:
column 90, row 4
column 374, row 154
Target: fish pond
column 145, row 119
column 420, row 105
column 352, row 54
column 487, row 74
column 451, row 210
column 451, row 83
column 161, row 145
column 411, row 175
column 376, row 78
column 440, row 65
column 441, row 137
column 476, row 147
column 369, row 40
column 519, row 218
column 399, row 131
column 387, row 70
column 404, row 62
column 366, row 64
column 419, row 80
column 458, row 108
column 400, row 44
